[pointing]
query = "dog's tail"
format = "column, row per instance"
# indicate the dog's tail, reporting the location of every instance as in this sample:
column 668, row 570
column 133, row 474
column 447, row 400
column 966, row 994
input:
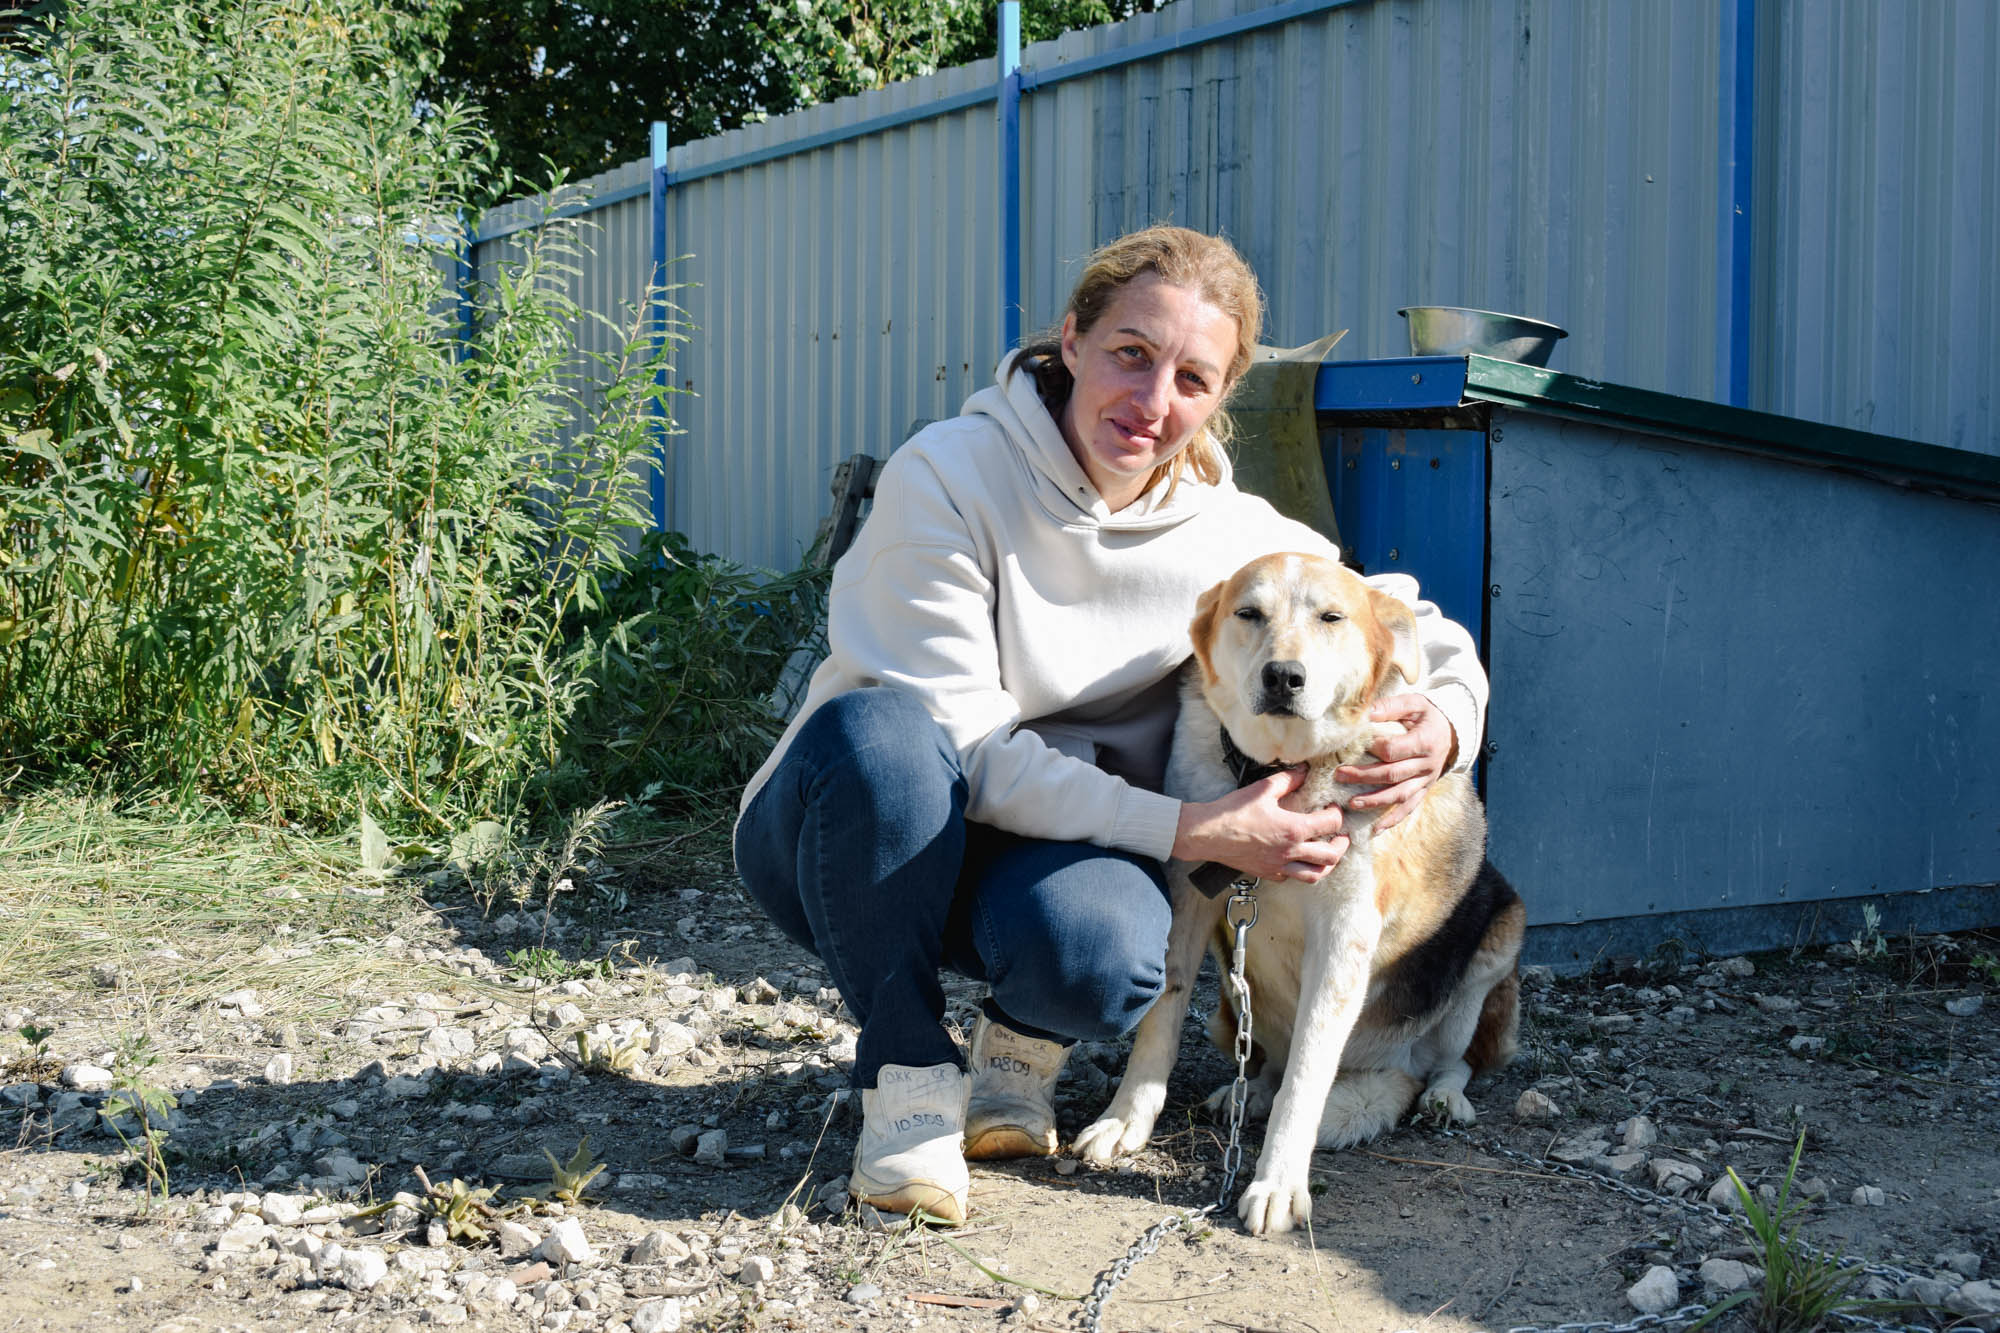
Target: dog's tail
column 1364, row 1105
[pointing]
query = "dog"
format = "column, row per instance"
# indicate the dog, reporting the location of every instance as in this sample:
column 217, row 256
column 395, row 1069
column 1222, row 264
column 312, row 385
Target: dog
column 1395, row 974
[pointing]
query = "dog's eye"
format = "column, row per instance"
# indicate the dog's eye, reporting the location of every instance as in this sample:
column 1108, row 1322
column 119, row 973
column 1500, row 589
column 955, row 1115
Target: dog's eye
column 1249, row 613
column 1331, row 617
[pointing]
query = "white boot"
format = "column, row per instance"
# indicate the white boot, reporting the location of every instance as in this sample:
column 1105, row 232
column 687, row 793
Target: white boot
column 1012, row 1112
column 908, row 1156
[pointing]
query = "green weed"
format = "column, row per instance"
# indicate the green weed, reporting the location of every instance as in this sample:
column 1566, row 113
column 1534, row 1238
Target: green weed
column 1803, row 1287
column 136, row 1100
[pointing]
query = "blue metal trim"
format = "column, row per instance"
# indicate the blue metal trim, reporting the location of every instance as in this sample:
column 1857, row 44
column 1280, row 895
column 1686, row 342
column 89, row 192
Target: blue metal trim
column 657, row 319
column 1009, row 94
column 467, row 268
column 567, row 211
column 1390, row 384
column 1221, row 30
column 1735, row 130
column 827, row 138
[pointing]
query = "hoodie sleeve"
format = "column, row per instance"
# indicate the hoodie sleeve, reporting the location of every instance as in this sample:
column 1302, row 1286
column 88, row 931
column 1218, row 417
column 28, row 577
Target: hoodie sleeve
column 912, row 607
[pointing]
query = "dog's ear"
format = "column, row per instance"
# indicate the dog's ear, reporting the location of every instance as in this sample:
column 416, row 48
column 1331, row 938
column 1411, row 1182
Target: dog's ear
column 1201, row 630
column 1400, row 623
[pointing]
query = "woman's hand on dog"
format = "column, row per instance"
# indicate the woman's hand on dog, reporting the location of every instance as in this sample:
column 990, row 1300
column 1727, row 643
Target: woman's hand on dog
column 1410, row 763
column 1250, row 831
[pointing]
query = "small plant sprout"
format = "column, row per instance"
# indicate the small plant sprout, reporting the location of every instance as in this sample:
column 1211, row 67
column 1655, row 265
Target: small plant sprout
column 132, row 1094
column 467, row 1213
column 37, row 1038
column 1803, row 1286
column 613, row 1057
column 1868, row 941
column 568, row 1180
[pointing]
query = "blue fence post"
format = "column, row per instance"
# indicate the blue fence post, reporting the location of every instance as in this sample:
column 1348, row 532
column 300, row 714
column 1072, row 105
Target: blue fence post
column 1010, row 174
column 1735, row 131
column 466, row 268
column 657, row 321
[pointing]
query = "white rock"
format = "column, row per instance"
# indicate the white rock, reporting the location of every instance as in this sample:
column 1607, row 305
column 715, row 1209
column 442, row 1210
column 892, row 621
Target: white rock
column 516, row 1240
column 711, row 1147
column 671, row 1039
column 663, row 1247
column 245, row 1235
column 527, row 1043
column 756, row 1269
column 1737, row 967
column 447, row 1043
column 1965, row 1006
column 566, row 1244
column 86, row 1078
column 1723, row 1275
column 659, row 1316
column 1868, row 1196
column 360, row 1270
column 278, row 1069
column 1976, row 1298
column 281, row 1210
column 1723, row 1195
column 1582, row 1148
column 329, row 1258
column 1804, row 1045
column 1657, row 1291
column 1965, row 1263
column 1623, row 1165
column 243, row 1002
column 1672, row 1177
column 567, row 1015
column 1534, row 1106
column 1640, row 1132
column 218, row 1215
column 1777, row 1004
column 1613, row 1023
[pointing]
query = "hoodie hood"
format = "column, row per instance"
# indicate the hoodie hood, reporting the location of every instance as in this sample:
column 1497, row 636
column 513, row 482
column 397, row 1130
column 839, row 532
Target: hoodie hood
column 1060, row 485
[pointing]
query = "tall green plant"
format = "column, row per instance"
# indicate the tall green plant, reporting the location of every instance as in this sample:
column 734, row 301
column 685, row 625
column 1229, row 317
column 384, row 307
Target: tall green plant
column 265, row 526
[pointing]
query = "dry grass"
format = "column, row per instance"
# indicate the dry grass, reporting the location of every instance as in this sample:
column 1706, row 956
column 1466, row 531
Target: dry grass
column 189, row 908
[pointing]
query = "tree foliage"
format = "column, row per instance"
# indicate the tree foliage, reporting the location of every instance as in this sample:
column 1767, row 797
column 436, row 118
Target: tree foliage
column 573, row 83
column 268, row 529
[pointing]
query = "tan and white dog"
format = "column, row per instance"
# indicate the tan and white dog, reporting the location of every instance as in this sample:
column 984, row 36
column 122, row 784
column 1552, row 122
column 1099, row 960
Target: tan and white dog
column 1395, row 974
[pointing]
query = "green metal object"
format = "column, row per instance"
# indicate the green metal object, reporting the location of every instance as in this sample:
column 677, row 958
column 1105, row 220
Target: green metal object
column 1276, row 449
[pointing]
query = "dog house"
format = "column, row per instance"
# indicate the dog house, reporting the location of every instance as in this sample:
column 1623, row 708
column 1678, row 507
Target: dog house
column 1745, row 668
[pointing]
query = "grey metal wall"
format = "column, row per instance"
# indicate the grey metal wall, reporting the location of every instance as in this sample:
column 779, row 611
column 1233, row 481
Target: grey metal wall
column 1732, row 682
column 836, row 296
column 1559, row 158
column 1551, row 159
column 1882, row 261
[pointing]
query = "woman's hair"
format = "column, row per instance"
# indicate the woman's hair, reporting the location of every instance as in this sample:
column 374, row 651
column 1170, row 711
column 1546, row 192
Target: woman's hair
column 1206, row 265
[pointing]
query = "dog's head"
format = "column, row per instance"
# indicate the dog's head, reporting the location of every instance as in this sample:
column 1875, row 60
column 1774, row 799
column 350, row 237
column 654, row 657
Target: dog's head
column 1294, row 649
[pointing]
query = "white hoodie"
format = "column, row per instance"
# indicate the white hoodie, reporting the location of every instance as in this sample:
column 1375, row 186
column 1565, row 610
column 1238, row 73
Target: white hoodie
column 1043, row 631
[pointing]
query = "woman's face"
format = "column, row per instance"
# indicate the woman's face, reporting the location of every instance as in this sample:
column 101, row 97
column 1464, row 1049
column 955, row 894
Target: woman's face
column 1148, row 375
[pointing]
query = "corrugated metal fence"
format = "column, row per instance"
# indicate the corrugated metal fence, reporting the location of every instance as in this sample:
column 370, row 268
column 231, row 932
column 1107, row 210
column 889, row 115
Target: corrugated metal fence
column 1787, row 205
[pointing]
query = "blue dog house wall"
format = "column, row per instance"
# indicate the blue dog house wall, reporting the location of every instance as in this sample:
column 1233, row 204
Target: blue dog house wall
column 1743, row 665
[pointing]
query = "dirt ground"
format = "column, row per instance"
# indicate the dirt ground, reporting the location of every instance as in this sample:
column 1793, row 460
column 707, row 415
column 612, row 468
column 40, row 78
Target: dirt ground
column 1896, row 1093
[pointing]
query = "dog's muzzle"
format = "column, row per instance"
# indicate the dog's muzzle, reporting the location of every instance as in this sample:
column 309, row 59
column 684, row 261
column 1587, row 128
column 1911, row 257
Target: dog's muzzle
column 1280, row 686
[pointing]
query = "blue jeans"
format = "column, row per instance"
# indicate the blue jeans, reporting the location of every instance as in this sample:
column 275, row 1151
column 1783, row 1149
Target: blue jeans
column 859, row 849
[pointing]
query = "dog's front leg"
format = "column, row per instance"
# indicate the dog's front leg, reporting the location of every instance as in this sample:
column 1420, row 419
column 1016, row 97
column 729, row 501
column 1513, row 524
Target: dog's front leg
column 1128, row 1122
column 1333, row 984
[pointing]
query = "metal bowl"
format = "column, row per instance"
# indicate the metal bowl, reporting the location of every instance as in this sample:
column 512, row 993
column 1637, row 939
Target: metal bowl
column 1450, row 330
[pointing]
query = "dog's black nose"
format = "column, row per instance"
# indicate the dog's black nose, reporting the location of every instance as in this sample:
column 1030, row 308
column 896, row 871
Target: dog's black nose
column 1284, row 677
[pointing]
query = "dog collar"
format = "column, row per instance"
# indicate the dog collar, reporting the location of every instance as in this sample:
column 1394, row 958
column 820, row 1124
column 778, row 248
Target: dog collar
column 1241, row 766
column 1212, row 877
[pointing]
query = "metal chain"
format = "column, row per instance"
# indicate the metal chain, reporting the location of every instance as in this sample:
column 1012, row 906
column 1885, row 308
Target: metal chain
column 1232, row 1160
column 1242, row 892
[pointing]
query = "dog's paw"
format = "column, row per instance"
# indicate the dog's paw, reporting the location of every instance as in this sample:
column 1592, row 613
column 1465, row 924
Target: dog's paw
column 1446, row 1105
column 1112, row 1137
column 1277, row 1205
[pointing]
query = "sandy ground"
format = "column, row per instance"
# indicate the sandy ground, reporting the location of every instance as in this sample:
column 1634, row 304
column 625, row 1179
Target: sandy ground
column 1898, row 1095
